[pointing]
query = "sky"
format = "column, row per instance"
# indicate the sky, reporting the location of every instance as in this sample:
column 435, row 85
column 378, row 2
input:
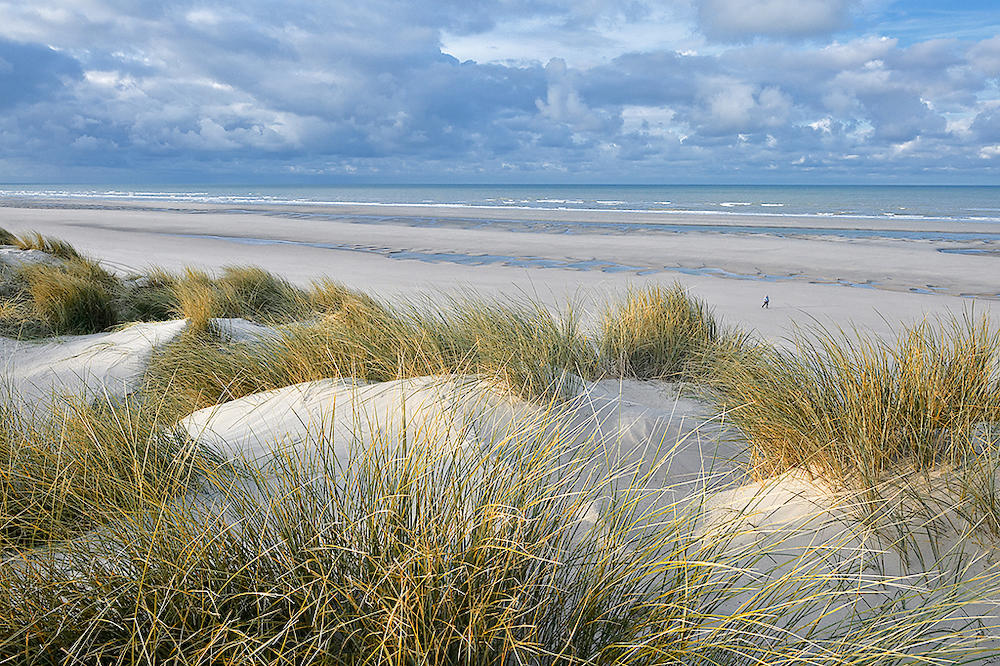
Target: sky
column 518, row 91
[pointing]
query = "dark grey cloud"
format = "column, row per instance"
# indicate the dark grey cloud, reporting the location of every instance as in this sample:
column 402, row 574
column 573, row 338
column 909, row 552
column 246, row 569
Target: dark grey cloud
column 29, row 72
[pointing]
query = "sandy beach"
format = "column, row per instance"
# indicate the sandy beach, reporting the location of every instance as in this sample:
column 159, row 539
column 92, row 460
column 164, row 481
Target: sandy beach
column 868, row 273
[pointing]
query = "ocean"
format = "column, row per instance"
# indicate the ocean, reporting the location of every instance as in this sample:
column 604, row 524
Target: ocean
column 937, row 203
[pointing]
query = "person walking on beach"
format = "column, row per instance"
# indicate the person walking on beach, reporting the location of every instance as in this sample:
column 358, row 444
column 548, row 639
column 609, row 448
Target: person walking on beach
column 767, row 302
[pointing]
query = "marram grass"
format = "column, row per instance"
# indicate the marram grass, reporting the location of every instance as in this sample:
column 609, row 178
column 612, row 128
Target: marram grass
column 657, row 333
column 36, row 241
column 855, row 408
column 411, row 554
column 522, row 348
column 66, row 472
column 75, row 295
column 240, row 291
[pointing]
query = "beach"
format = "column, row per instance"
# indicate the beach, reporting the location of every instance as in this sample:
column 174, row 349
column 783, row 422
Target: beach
column 860, row 272
column 328, row 390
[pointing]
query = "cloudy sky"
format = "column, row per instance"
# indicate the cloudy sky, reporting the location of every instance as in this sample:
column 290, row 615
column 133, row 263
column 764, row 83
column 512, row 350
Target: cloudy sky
column 662, row 91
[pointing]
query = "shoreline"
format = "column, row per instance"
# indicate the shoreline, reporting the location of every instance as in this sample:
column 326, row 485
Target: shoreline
column 693, row 219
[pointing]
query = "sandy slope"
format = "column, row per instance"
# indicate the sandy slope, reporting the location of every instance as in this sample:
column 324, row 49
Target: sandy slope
column 786, row 540
column 37, row 372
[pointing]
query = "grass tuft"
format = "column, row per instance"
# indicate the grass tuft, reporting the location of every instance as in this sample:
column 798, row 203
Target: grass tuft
column 241, row 291
column 47, row 244
column 854, row 408
column 148, row 297
column 414, row 552
column 526, row 350
column 253, row 293
column 196, row 299
column 657, row 333
column 329, row 297
column 74, row 297
column 68, row 472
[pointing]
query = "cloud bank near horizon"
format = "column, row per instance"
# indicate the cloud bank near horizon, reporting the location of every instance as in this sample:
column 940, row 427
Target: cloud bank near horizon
column 515, row 90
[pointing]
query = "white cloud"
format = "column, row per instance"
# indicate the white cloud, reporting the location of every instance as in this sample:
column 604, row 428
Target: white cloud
column 989, row 152
column 562, row 102
column 227, row 87
column 203, row 16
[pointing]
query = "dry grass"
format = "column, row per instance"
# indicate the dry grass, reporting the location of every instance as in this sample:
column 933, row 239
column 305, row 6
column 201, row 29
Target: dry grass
column 240, row 291
column 77, row 296
column 854, row 408
column 65, row 473
column 196, row 299
column 36, row 241
column 329, row 297
column 148, row 297
column 656, row 333
column 253, row 293
column 524, row 349
column 409, row 556
column 473, row 557
column 74, row 297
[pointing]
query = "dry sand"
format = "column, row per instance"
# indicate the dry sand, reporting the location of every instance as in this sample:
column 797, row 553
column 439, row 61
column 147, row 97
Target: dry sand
column 805, row 265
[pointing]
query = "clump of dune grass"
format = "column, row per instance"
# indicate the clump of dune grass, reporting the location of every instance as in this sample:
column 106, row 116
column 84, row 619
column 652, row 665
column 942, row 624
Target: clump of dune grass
column 656, row 333
column 525, row 349
column 330, row 297
column 854, row 407
column 17, row 316
column 6, row 237
column 253, row 293
column 196, row 299
column 364, row 340
column 74, row 297
column 240, row 291
column 417, row 552
column 77, row 296
column 66, row 472
column 149, row 296
column 36, row 241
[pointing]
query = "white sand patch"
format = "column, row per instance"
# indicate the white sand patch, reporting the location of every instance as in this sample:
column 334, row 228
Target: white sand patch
column 242, row 330
column 35, row 373
column 343, row 415
column 795, row 530
column 13, row 257
column 667, row 453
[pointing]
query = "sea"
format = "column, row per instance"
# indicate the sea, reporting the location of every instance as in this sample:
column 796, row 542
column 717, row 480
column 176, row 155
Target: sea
column 933, row 203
